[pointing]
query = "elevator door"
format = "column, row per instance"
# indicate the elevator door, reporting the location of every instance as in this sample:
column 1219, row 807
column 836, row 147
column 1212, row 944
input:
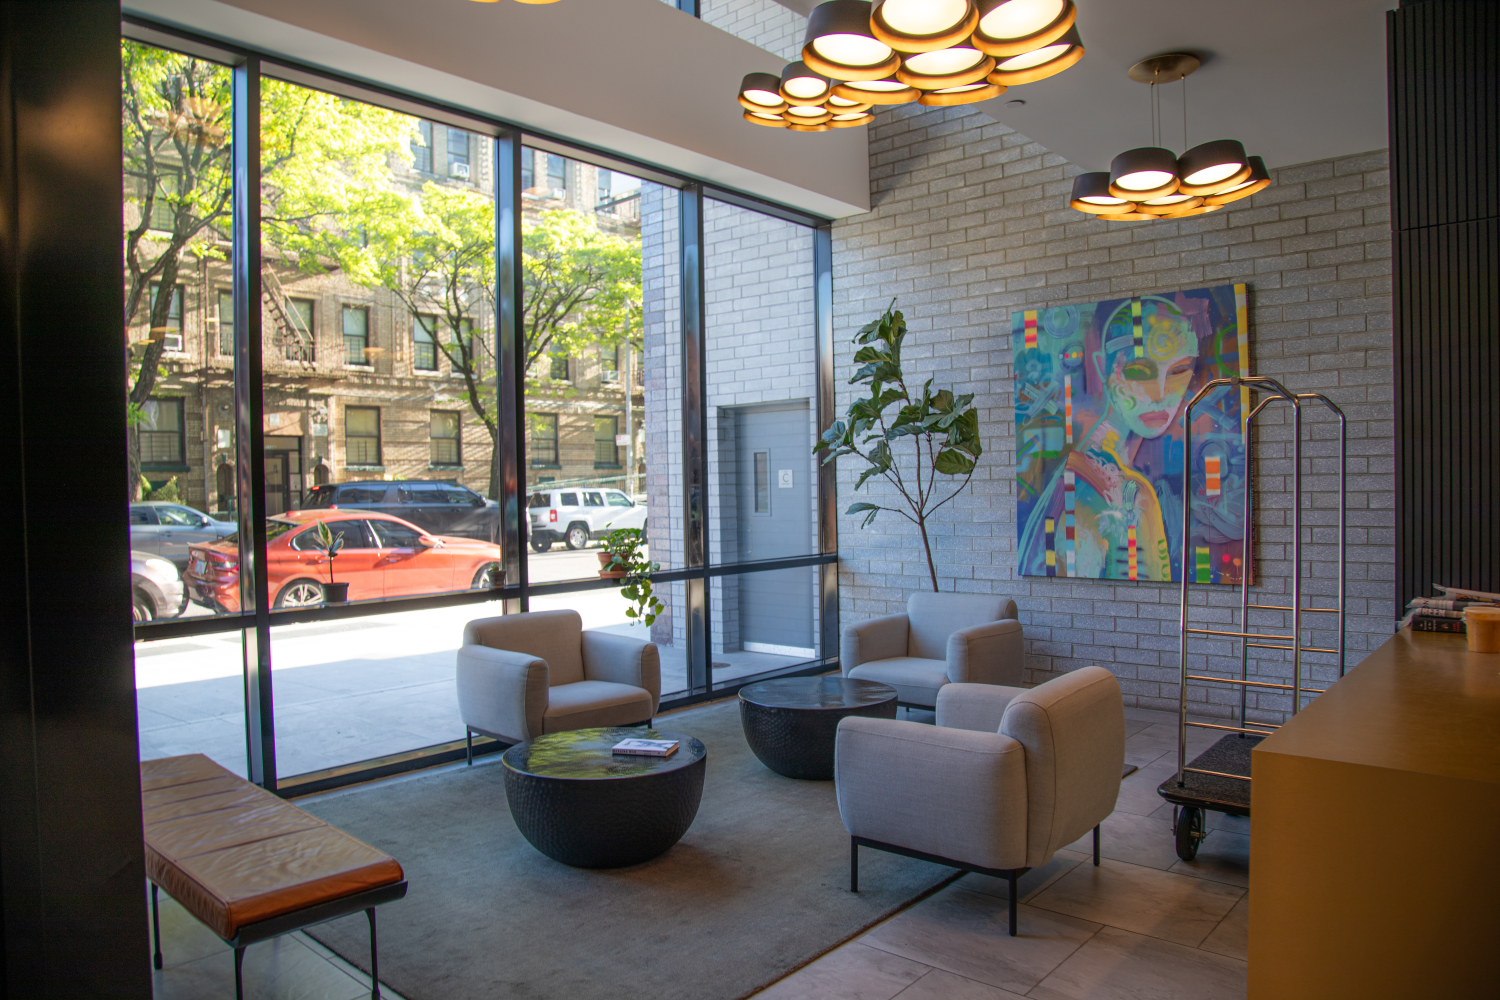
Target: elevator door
column 774, row 521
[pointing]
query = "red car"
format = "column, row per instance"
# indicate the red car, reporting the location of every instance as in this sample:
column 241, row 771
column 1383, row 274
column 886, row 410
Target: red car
column 383, row 556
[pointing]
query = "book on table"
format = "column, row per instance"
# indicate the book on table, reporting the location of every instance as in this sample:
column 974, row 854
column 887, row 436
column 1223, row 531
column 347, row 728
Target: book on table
column 646, row 748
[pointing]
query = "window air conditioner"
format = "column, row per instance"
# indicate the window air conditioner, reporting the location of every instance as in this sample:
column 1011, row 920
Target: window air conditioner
column 459, row 170
column 609, row 376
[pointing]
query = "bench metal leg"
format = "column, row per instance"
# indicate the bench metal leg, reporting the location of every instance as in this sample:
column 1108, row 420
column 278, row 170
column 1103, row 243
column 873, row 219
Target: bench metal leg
column 1096, row 847
column 374, row 958
column 469, row 745
column 239, row 982
column 155, row 929
column 1011, row 878
column 853, row 865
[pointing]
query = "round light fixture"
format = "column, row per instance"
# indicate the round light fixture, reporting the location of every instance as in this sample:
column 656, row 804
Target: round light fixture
column 1091, row 195
column 765, row 118
column 1040, row 63
column 1259, row 180
column 844, row 106
column 1011, row 27
column 1197, row 210
column 945, row 68
column 969, row 93
column 923, row 25
column 762, row 92
column 807, row 114
column 1213, row 167
column 839, row 43
column 1172, row 204
column 794, row 127
column 887, row 91
column 801, row 85
column 1144, row 173
column 850, row 121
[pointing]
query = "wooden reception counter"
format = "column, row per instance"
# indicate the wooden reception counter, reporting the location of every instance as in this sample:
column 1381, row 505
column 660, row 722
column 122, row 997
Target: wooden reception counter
column 1375, row 832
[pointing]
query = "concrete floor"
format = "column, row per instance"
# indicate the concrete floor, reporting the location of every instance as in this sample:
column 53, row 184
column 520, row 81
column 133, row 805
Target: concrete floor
column 354, row 690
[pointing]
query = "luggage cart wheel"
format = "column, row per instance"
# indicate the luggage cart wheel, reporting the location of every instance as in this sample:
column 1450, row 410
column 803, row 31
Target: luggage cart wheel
column 1189, row 832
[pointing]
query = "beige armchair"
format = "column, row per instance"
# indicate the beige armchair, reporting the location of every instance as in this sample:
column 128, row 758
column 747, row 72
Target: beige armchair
column 520, row 676
column 1005, row 778
column 942, row 639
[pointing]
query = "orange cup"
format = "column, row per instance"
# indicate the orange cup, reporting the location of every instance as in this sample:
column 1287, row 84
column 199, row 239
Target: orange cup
column 1483, row 628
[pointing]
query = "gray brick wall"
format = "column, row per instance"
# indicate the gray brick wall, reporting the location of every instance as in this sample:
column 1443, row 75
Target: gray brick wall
column 970, row 224
column 760, row 22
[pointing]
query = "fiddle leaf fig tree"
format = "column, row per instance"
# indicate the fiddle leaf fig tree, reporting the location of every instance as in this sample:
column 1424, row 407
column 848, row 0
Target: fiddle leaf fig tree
column 943, row 428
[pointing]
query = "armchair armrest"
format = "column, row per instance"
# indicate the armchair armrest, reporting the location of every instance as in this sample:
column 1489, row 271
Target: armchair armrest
column 623, row 660
column 991, row 653
column 977, row 707
column 874, row 639
column 502, row 693
column 949, row 792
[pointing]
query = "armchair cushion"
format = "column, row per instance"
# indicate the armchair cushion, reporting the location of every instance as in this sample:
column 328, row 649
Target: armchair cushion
column 991, row 653
column 916, row 680
column 948, row 792
column 1073, row 729
column 873, row 639
column 553, row 636
column 501, row 693
column 934, row 617
column 979, row 707
column 621, row 659
column 586, row 704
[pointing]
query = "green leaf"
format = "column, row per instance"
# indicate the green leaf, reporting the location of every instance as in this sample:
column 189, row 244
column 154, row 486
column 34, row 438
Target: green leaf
column 951, row 462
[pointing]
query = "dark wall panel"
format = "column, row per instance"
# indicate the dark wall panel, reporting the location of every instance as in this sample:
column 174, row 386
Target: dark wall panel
column 70, row 821
column 1444, row 65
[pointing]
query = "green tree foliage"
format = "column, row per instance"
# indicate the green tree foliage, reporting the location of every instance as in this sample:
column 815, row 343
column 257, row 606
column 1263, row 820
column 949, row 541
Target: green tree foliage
column 943, row 428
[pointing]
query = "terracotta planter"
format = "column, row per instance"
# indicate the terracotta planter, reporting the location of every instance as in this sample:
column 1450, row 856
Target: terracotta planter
column 609, row 574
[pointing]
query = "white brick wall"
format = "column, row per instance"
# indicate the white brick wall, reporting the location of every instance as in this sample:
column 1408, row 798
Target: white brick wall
column 970, row 224
column 760, row 22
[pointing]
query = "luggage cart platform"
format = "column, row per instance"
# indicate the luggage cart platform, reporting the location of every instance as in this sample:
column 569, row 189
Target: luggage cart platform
column 1226, row 791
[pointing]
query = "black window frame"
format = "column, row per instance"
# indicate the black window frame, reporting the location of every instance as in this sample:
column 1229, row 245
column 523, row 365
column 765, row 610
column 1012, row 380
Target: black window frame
column 607, row 450
column 377, row 437
column 424, row 353
column 545, row 451
column 435, row 460
column 174, row 313
column 224, row 343
column 178, row 461
column 346, row 309
column 421, row 147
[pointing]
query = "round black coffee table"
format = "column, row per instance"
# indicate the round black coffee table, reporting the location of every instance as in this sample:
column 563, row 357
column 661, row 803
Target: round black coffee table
column 791, row 724
column 578, row 803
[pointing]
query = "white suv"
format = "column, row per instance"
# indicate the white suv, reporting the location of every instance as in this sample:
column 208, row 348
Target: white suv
column 576, row 515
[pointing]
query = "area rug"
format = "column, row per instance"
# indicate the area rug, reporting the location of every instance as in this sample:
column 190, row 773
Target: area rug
column 758, row 887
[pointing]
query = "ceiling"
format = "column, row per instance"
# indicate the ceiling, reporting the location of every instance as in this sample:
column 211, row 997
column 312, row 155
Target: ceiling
column 1295, row 80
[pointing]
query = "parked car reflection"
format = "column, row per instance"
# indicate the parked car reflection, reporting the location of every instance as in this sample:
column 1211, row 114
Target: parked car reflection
column 155, row 588
column 383, row 556
column 165, row 529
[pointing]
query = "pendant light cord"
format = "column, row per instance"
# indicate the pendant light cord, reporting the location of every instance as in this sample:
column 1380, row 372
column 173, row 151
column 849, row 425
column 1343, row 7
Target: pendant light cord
column 1184, row 113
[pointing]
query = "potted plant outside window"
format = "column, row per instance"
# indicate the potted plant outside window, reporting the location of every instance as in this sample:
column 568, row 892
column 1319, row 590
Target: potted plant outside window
column 330, row 545
column 623, row 559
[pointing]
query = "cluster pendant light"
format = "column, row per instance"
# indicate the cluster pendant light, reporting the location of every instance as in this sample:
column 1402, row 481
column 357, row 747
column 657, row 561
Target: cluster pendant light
column 1152, row 182
column 934, row 52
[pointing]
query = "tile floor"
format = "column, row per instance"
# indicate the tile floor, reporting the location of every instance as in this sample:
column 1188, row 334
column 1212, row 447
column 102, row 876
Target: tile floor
column 1143, row 924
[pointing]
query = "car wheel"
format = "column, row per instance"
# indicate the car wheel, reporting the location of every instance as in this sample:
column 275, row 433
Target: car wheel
column 142, row 608
column 300, row 594
column 578, row 536
column 541, row 544
column 488, row 577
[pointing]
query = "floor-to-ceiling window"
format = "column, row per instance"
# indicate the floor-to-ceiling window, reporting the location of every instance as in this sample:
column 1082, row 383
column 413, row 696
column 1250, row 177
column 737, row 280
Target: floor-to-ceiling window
column 418, row 379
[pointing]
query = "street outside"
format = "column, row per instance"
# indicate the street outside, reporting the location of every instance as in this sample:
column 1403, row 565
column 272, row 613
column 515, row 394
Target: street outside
column 351, row 690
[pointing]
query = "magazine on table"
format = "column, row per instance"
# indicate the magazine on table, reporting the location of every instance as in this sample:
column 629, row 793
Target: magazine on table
column 646, row 748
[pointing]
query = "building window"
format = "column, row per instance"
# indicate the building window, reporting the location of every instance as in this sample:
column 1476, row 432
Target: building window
column 447, row 447
column 605, row 178
column 421, row 148
column 557, row 175
column 528, row 169
column 458, row 153
column 164, row 208
column 424, row 350
column 762, row 482
column 162, row 440
column 226, row 322
column 606, row 451
column 356, row 335
column 544, row 439
column 559, row 369
column 171, row 334
column 362, row 435
column 609, row 364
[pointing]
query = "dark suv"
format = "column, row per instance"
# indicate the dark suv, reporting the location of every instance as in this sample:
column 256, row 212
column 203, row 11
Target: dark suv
column 436, row 507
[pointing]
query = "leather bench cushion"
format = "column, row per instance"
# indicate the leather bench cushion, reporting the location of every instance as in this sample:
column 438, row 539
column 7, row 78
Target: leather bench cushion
column 235, row 854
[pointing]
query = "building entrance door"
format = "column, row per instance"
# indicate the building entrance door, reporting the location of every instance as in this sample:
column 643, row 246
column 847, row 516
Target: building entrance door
column 773, row 491
column 283, row 478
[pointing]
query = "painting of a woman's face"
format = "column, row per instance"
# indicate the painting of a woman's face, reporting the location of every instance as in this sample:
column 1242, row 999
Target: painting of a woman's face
column 1146, row 392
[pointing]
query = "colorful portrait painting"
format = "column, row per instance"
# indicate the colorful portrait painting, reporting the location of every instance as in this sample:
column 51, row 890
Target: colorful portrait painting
column 1101, row 393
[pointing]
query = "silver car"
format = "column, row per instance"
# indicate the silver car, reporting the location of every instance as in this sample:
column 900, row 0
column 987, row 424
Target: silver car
column 155, row 588
column 161, row 528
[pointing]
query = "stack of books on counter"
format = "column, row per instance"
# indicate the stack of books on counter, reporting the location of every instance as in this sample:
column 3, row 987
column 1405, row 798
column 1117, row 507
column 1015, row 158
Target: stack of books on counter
column 1446, row 612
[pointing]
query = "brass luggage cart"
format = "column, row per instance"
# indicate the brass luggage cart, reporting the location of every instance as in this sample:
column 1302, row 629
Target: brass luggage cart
column 1219, row 778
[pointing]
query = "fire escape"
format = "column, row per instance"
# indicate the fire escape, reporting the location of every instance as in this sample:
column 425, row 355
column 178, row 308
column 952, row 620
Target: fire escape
column 291, row 332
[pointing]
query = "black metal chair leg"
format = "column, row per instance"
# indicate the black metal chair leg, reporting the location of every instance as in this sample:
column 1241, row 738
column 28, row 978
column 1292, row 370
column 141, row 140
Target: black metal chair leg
column 239, row 983
column 853, row 865
column 1096, row 847
column 1011, row 878
column 469, row 745
column 155, row 929
column 374, row 958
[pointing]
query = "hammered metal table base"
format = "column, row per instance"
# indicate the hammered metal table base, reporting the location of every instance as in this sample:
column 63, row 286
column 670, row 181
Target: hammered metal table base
column 797, row 740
